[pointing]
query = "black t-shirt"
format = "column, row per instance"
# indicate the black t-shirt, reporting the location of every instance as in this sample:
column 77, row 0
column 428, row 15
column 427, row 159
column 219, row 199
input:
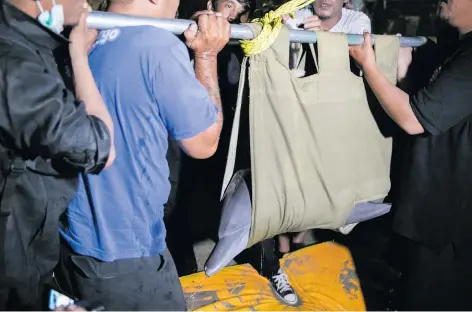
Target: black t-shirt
column 434, row 200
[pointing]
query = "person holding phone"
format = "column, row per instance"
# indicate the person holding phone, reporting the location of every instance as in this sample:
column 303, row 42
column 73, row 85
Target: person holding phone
column 49, row 134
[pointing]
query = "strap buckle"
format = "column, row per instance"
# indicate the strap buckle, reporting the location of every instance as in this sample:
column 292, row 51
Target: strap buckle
column 17, row 167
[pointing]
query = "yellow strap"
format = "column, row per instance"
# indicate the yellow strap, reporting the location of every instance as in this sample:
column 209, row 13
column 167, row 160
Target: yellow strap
column 271, row 25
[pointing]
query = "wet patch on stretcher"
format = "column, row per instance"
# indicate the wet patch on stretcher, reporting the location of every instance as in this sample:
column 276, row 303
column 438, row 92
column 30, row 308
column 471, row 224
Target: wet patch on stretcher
column 323, row 276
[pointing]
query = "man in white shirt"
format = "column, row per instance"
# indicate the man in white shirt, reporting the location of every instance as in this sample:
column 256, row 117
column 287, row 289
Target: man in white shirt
column 330, row 15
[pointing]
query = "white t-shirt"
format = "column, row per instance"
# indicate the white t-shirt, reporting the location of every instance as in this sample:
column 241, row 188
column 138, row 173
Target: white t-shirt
column 351, row 22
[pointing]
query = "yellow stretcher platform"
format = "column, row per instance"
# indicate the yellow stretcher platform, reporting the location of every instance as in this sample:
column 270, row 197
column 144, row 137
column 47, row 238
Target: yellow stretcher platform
column 323, row 276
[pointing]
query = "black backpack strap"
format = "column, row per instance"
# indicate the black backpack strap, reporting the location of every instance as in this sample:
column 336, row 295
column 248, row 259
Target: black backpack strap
column 12, row 173
column 16, row 169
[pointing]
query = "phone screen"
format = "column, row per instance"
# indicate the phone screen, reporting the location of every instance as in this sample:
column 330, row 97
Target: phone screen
column 56, row 299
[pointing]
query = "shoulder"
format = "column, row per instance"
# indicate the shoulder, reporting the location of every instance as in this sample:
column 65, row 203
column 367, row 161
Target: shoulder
column 156, row 42
column 354, row 15
column 302, row 14
column 463, row 63
column 18, row 59
column 467, row 52
column 14, row 51
column 22, row 64
column 355, row 21
column 147, row 36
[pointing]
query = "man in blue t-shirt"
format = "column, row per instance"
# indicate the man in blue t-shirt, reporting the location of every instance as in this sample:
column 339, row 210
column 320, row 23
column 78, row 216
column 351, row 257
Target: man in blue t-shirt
column 114, row 249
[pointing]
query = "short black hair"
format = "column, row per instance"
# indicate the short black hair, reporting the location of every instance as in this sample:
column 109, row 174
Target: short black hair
column 99, row 5
column 246, row 4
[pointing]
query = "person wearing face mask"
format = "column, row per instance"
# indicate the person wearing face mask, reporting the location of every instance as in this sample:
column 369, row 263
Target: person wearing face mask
column 49, row 134
column 433, row 199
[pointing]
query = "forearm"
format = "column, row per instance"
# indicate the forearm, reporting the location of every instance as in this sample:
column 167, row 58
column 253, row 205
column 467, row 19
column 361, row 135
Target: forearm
column 394, row 101
column 206, row 73
column 87, row 92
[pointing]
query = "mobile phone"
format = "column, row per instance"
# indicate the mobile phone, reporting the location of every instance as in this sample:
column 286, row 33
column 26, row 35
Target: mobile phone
column 56, row 299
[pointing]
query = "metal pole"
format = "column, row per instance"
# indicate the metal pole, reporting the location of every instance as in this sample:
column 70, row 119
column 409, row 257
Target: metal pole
column 105, row 20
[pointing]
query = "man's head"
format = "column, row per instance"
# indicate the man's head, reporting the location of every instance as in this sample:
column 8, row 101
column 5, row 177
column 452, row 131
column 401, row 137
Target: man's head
column 231, row 9
column 458, row 13
column 72, row 8
column 148, row 8
column 329, row 9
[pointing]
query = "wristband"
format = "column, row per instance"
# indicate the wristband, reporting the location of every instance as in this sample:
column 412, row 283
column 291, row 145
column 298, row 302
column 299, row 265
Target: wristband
column 206, row 55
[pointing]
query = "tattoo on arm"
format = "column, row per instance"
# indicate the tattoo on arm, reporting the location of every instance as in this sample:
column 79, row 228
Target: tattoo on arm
column 206, row 73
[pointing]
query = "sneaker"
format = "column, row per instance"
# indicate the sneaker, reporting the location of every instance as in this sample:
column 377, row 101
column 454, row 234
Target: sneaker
column 279, row 282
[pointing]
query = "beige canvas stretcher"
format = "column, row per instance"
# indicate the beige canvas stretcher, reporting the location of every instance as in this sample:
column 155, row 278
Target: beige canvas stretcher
column 317, row 152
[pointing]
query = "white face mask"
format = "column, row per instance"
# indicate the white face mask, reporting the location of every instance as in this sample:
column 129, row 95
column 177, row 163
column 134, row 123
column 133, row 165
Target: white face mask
column 53, row 20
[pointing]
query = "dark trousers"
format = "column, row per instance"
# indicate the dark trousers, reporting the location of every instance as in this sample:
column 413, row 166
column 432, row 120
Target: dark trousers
column 270, row 258
column 29, row 239
column 13, row 299
column 434, row 281
column 142, row 284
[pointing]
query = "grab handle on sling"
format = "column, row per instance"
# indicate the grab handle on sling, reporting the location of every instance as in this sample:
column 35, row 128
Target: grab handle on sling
column 333, row 52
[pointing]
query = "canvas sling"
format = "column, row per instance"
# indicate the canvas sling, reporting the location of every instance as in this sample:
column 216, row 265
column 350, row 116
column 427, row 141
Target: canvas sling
column 316, row 149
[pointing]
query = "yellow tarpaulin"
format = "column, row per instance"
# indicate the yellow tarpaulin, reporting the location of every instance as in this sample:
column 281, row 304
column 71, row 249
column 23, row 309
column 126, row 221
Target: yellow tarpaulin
column 323, row 276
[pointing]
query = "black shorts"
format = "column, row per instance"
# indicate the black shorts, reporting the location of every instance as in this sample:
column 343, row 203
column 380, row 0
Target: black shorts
column 141, row 284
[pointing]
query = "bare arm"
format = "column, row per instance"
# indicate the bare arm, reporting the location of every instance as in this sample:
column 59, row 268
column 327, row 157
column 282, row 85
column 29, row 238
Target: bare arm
column 87, row 92
column 85, row 87
column 206, row 41
column 206, row 73
column 394, row 101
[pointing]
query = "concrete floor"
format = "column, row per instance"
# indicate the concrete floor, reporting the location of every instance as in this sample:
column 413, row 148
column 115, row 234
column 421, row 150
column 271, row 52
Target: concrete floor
column 203, row 251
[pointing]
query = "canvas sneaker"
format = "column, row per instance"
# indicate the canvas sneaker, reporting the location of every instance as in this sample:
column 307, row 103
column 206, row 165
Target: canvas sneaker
column 279, row 282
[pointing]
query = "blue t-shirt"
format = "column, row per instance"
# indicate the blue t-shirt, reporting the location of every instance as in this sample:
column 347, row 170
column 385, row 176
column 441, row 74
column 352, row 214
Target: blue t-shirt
column 149, row 86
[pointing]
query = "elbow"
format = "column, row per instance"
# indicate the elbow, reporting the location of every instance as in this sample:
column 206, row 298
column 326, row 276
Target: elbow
column 203, row 145
column 210, row 151
column 111, row 157
column 409, row 122
column 203, row 153
column 413, row 128
column 414, row 131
